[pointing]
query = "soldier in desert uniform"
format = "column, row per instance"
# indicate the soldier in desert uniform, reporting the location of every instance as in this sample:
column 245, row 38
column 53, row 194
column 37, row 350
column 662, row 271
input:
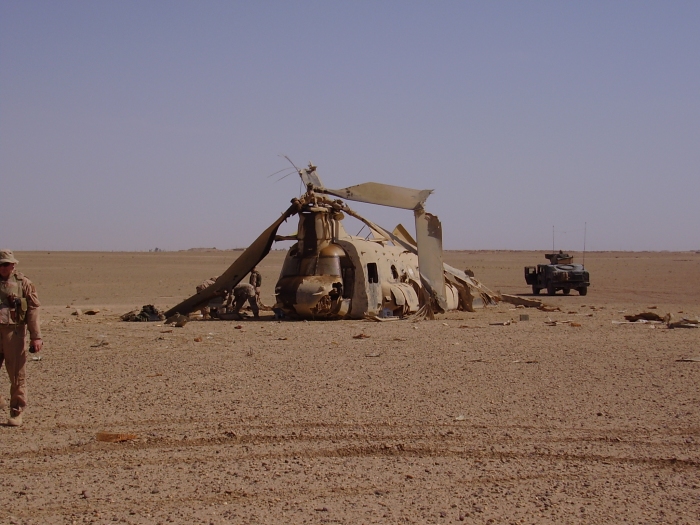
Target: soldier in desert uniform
column 215, row 303
column 255, row 281
column 19, row 312
column 241, row 293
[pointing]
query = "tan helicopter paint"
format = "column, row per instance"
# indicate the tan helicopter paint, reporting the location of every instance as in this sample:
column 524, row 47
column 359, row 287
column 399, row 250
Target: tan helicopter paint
column 328, row 274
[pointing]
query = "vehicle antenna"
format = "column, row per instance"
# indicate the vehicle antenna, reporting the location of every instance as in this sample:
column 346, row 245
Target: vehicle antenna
column 552, row 238
column 583, row 261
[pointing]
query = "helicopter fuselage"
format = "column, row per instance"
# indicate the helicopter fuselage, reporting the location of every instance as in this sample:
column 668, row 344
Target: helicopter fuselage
column 328, row 274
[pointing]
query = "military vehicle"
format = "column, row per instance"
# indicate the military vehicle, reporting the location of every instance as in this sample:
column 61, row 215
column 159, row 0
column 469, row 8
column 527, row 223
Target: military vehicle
column 559, row 274
column 329, row 274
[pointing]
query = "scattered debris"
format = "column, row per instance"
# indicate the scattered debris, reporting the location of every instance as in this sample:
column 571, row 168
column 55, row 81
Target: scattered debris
column 110, row 437
column 281, row 338
column 166, row 331
column 524, row 317
column 154, row 375
column 36, row 358
column 381, row 319
column 91, row 312
column 647, row 316
column 549, row 322
column 522, row 301
column 532, row 361
column 689, row 359
column 460, row 418
column 177, row 320
column 197, row 339
column 683, row 323
column 504, row 323
column 77, row 311
column 100, row 343
column 375, row 354
column 546, row 308
column 148, row 313
column 361, row 336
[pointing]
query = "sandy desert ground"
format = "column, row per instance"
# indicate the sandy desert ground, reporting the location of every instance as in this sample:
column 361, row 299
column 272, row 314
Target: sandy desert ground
column 448, row 421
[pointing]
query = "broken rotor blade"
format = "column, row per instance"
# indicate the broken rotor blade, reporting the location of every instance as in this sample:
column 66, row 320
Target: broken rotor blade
column 383, row 194
column 250, row 257
column 429, row 240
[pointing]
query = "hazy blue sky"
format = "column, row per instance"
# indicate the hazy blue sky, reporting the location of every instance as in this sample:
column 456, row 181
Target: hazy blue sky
column 130, row 125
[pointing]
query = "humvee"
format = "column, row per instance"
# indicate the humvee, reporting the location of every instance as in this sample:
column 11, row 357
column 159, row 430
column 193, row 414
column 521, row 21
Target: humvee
column 559, row 274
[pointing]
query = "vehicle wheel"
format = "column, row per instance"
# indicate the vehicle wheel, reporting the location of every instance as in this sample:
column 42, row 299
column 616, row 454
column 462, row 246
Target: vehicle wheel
column 551, row 290
column 566, row 291
column 535, row 290
column 583, row 290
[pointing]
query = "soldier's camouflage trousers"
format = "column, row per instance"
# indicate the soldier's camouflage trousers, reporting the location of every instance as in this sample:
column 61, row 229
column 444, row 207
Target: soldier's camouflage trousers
column 14, row 354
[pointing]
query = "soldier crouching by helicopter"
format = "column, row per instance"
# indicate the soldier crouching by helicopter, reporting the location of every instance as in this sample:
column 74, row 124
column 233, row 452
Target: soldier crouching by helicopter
column 19, row 311
column 206, row 310
column 241, row 293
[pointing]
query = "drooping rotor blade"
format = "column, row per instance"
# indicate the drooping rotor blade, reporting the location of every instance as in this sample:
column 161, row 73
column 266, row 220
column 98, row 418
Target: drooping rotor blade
column 429, row 237
column 383, row 194
column 252, row 255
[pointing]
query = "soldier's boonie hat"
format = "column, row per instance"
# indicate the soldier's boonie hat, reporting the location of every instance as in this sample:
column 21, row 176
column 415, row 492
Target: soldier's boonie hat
column 6, row 256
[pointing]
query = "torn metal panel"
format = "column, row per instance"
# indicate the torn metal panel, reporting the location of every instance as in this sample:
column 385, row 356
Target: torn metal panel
column 403, row 234
column 383, row 194
column 452, row 296
column 479, row 295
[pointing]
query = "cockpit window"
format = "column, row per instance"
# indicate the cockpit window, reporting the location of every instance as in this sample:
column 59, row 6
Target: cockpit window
column 328, row 266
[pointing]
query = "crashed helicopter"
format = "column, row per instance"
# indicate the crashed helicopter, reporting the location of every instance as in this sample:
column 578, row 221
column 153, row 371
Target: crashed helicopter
column 329, row 274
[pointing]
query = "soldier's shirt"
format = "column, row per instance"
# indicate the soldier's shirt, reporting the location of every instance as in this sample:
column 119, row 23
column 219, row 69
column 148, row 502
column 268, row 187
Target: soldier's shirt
column 11, row 287
column 243, row 290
